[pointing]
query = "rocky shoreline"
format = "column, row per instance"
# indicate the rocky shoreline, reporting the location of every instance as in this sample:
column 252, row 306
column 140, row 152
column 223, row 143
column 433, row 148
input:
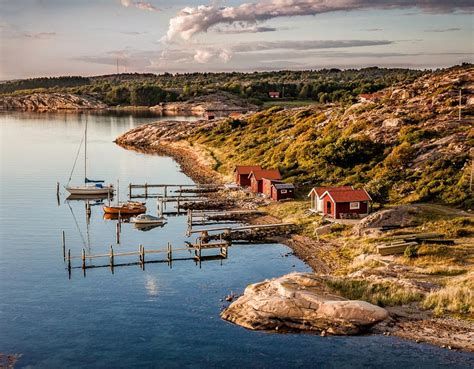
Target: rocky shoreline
column 404, row 321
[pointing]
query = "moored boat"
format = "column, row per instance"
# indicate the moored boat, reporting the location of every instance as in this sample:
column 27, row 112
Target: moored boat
column 145, row 219
column 90, row 187
column 131, row 207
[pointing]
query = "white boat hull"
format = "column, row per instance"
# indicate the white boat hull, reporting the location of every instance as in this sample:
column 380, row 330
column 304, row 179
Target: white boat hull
column 89, row 190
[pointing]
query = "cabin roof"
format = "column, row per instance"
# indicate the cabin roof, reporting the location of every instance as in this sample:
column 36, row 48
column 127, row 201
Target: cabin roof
column 265, row 173
column 321, row 190
column 246, row 169
column 284, row 186
column 348, row 195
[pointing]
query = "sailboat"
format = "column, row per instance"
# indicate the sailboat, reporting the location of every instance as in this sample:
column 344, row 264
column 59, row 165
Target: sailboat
column 90, row 186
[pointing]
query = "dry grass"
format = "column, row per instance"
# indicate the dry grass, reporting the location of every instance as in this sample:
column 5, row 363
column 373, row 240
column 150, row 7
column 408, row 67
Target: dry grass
column 382, row 293
column 457, row 296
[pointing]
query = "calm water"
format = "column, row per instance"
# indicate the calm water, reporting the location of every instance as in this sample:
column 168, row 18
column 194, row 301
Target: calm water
column 157, row 318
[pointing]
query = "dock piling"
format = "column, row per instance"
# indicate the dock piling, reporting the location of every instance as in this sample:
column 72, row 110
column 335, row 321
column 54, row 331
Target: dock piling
column 83, row 257
column 111, row 257
column 64, row 246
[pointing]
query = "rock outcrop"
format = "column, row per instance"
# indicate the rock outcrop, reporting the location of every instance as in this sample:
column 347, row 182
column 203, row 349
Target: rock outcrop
column 300, row 301
column 49, row 102
column 222, row 101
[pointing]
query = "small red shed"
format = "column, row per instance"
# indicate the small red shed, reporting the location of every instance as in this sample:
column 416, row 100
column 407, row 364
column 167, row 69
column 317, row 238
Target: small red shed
column 346, row 203
column 282, row 191
column 257, row 176
column 241, row 174
column 267, row 186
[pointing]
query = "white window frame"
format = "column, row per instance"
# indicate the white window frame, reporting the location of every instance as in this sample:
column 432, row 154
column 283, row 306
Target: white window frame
column 284, row 191
column 354, row 205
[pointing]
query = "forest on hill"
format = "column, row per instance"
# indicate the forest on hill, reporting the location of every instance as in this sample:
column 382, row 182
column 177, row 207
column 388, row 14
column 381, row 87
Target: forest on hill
column 324, row 86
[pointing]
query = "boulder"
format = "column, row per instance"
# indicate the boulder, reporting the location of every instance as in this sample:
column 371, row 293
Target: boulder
column 392, row 122
column 300, row 301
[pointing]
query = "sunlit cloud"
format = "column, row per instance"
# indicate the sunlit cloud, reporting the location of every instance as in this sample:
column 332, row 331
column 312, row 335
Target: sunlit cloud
column 193, row 20
column 441, row 30
column 139, row 5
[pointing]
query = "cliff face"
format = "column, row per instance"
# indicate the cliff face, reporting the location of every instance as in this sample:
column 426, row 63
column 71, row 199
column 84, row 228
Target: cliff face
column 49, row 102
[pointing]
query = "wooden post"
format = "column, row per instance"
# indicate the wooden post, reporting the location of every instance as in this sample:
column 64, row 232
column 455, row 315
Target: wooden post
column 161, row 208
column 166, row 191
column 117, row 233
column 83, row 257
column 57, row 193
column 64, row 246
column 69, row 259
column 143, row 255
column 111, row 258
column 129, row 191
column 146, row 190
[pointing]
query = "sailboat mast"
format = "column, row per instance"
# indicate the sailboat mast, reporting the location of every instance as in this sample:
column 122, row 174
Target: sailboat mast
column 85, row 154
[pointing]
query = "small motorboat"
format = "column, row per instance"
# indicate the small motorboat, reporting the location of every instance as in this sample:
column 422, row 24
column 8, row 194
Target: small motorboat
column 131, row 207
column 145, row 219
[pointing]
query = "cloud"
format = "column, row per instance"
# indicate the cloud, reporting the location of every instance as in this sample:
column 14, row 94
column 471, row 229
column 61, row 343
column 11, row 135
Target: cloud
column 443, row 30
column 254, row 29
column 204, row 54
column 139, row 5
column 305, row 45
column 192, row 20
column 39, row 35
column 372, row 29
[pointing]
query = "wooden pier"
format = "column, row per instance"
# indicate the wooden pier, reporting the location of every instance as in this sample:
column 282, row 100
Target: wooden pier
column 202, row 217
column 166, row 189
column 143, row 254
column 227, row 230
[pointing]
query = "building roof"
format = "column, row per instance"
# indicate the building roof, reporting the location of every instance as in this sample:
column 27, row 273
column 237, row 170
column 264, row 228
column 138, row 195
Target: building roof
column 246, row 169
column 284, row 186
column 321, row 190
column 348, row 195
column 265, row 173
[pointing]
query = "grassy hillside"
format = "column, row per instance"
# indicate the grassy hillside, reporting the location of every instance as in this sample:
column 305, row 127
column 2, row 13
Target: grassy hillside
column 408, row 147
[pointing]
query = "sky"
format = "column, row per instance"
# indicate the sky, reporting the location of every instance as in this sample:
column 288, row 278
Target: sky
column 90, row 37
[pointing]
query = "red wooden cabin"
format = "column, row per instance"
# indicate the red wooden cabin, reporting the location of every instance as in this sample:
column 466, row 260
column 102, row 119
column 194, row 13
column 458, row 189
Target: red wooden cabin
column 282, row 191
column 241, row 174
column 346, row 203
column 267, row 186
column 256, row 178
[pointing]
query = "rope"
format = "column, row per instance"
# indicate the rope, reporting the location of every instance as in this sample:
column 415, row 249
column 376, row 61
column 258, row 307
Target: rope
column 75, row 161
column 77, row 225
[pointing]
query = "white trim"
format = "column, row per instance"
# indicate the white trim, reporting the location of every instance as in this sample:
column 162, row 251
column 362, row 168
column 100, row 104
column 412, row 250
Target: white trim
column 354, row 205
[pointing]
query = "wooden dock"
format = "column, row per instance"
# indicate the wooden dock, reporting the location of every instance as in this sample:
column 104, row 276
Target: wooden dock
column 143, row 254
column 203, row 217
column 165, row 189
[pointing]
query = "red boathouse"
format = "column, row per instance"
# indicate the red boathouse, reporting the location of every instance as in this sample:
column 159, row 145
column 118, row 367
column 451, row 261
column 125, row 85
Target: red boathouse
column 346, row 204
column 256, row 178
column 241, row 174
